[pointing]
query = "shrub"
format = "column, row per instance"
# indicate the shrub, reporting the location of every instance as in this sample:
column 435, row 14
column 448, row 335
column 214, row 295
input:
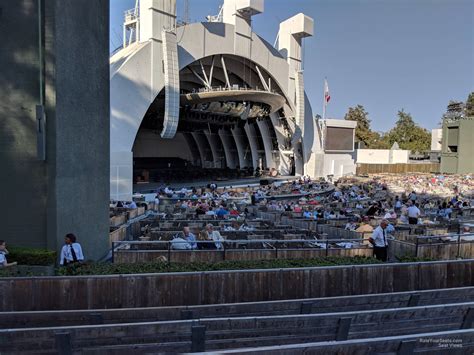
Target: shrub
column 138, row 268
column 413, row 259
column 31, row 256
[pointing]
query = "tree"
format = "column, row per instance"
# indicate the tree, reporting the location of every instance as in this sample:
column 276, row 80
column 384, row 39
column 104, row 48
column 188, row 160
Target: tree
column 408, row 134
column 363, row 133
column 469, row 107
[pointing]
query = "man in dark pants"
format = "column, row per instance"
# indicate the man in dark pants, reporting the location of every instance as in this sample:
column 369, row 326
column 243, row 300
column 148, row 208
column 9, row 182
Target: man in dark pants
column 380, row 242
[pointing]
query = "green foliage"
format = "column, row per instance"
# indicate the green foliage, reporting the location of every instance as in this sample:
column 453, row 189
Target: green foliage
column 408, row 134
column 363, row 132
column 31, row 256
column 138, row 268
column 413, row 259
column 469, row 107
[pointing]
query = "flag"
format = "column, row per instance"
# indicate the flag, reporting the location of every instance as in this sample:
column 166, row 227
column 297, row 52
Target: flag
column 327, row 97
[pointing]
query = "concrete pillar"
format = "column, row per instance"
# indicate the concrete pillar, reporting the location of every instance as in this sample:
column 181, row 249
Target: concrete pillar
column 237, row 134
column 267, row 143
column 78, row 128
column 225, row 137
column 211, row 139
column 252, row 137
column 156, row 15
column 203, row 149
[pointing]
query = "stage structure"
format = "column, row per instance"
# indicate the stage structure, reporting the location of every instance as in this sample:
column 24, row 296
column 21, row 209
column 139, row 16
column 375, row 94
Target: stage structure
column 216, row 96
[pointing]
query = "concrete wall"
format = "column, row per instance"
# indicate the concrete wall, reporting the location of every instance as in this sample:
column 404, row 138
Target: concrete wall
column 436, row 139
column 22, row 176
column 462, row 161
column 382, row 156
column 44, row 200
column 211, row 287
column 334, row 164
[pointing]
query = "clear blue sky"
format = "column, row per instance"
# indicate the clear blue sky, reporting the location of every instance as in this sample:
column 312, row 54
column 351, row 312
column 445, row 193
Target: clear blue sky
column 383, row 54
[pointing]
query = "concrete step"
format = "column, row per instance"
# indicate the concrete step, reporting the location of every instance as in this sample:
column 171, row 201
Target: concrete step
column 284, row 307
column 224, row 333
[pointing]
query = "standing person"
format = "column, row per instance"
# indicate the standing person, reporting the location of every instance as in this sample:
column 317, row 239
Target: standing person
column 3, row 254
column 379, row 241
column 71, row 253
column 413, row 214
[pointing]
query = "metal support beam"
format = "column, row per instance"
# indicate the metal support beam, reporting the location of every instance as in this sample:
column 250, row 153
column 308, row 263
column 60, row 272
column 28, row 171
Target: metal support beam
column 262, row 80
column 204, row 82
column 204, row 73
column 211, row 71
column 225, row 72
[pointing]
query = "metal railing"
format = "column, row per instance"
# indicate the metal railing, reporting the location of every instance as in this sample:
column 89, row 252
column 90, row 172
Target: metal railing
column 130, row 15
column 274, row 245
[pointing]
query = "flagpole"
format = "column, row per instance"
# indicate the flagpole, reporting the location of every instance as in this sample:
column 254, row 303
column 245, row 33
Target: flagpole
column 324, row 98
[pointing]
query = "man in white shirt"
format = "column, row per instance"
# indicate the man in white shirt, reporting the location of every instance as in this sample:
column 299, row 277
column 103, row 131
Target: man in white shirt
column 413, row 214
column 379, row 241
column 71, row 252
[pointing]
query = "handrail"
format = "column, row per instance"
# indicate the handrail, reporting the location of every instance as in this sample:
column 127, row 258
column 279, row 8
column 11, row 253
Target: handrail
column 274, row 245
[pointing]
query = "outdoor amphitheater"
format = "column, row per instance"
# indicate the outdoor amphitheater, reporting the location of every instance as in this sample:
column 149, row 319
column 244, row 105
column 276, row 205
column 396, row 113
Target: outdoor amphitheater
column 285, row 275
column 182, row 193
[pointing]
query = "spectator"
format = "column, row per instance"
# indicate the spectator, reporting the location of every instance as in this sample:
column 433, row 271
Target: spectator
column 413, row 214
column 71, row 252
column 221, row 212
column 365, row 228
column 380, row 241
column 215, row 236
column 179, row 243
column 190, row 238
column 3, row 255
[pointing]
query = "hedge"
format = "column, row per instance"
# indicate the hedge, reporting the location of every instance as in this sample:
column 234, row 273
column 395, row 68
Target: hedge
column 31, row 256
column 137, row 268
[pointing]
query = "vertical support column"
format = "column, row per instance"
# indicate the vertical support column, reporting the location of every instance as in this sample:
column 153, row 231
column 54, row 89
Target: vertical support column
column 211, row 138
column 200, row 141
column 239, row 14
column 267, row 143
column 252, row 137
column 238, row 133
column 79, row 153
column 284, row 167
column 225, row 137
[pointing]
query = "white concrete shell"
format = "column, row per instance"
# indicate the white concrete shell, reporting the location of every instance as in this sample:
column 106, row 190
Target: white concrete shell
column 136, row 78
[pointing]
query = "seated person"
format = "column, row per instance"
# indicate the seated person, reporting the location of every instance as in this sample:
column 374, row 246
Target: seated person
column 365, row 228
column 351, row 225
column 221, row 212
column 234, row 212
column 189, row 237
column 3, row 255
column 215, row 236
column 132, row 205
column 205, row 242
column 179, row 243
